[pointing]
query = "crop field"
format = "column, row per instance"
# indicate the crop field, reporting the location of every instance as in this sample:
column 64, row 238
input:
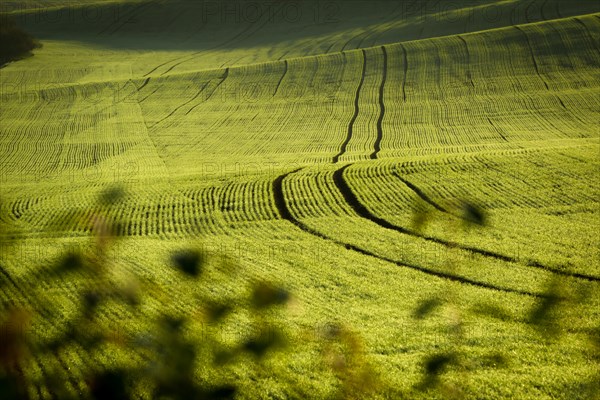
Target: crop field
column 401, row 168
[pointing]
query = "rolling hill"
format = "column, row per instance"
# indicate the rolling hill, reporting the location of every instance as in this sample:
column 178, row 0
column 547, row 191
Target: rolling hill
column 303, row 138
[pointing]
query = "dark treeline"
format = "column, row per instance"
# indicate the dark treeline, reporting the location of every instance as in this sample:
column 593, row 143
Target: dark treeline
column 15, row 43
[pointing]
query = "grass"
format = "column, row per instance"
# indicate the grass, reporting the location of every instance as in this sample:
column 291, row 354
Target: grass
column 335, row 159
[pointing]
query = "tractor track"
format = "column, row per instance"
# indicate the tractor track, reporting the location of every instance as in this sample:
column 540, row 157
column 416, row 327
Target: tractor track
column 377, row 144
column 285, row 214
column 420, row 193
column 363, row 212
column 588, row 33
column 535, row 64
column 405, row 67
column 526, row 14
column 182, row 105
column 144, row 84
column 542, row 10
column 468, row 61
column 537, row 71
column 154, row 91
column 356, row 110
column 394, row 14
column 185, row 58
column 225, row 75
column 194, row 98
column 196, row 105
column 498, row 131
column 127, row 16
column 285, row 70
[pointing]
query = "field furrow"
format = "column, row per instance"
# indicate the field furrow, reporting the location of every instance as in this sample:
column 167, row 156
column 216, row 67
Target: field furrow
column 377, row 144
column 285, row 213
column 356, row 110
column 371, row 158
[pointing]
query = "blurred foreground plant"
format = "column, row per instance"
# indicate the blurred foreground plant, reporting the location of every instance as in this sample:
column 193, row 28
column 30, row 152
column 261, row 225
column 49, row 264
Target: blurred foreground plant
column 548, row 316
column 125, row 354
column 453, row 356
column 128, row 357
column 345, row 354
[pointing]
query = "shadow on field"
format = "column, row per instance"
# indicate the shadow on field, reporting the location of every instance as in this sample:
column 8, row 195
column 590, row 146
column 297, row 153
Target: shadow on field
column 118, row 336
column 207, row 25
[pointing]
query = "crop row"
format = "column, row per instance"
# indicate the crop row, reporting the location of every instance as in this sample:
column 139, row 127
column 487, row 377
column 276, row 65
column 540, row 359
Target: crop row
column 442, row 93
column 387, row 193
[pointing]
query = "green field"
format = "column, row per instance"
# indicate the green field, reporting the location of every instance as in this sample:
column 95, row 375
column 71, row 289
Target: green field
column 303, row 140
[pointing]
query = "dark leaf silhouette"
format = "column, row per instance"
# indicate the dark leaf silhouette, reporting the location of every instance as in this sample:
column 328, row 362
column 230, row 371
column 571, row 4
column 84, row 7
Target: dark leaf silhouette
column 172, row 324
column 70, row 262
column 222, row 393
column 131, row 295
column 266, row 295
column 217, row 311
column 491, row 310
column 544, row 314
column 434, row 365
column 438, row 363
column 263, row 342
column 110, row 385
column 419, row 219
column 9, row 389
column 112, row 195
column 257, row 346
column 473, row 214
column 426, row 307
column 91, row 300
column 223, row 357
column 494, row 360
column 12, row 338
column 332, row 331
column 189, row 262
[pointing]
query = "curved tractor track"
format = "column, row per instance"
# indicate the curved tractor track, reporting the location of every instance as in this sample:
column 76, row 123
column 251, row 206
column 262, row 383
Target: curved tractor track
column 362, row 211
column 356, row 110
column 285, row 213
column 379, row 137
column 222, row 79
column 421, row 194
column 377, row 145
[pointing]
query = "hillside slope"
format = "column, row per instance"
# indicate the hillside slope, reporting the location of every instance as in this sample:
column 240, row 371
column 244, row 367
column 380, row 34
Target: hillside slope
column 307, row 154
